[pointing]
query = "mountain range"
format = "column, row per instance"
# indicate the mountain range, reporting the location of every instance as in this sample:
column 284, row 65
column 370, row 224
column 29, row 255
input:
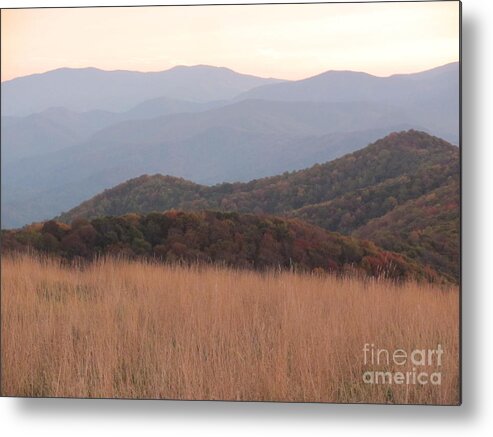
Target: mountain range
column 71, row 133
column 59, row 128
column 432, row 96
column 86, row 89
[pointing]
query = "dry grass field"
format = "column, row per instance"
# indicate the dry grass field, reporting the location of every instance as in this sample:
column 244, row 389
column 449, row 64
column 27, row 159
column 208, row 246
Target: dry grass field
column 141, row 330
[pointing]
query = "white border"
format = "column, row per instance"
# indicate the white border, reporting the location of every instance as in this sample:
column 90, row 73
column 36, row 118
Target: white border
column 130, row 418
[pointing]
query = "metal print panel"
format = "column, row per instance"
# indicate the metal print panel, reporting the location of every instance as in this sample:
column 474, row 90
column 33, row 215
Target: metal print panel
column 234, row 202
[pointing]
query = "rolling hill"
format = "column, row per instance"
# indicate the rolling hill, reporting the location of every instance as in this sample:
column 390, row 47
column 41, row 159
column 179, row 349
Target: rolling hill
column 426, row 229
column 356, row 194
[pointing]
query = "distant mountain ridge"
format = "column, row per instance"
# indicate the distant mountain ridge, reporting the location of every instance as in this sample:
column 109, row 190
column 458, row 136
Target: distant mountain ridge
column 59, row 128
column 433, row 95
column 353, row 86
column 85, row 89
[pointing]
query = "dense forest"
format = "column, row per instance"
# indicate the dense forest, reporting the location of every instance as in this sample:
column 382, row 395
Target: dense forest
column 409, row 176
column 426, row 229
column 248, row 241
column 414, row 161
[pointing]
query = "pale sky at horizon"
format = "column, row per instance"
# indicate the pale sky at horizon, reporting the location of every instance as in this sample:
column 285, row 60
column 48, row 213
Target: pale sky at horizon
column 282, row 41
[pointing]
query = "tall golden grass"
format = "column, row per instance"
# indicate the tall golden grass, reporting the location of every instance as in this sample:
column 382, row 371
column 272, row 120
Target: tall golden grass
column 125, row 329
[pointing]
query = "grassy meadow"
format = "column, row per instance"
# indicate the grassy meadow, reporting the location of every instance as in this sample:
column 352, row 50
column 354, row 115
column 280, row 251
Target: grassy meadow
column 115, row 328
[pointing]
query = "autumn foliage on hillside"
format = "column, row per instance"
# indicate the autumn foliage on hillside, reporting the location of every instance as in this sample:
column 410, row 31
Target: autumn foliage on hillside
column 344, row 195
column 426, row 229
column 241, row 240
column 414, row 162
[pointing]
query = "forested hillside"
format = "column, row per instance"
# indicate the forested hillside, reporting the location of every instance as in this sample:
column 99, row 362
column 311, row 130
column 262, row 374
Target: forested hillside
column 238, row 240
column 426, row 229
column 396, row 173
column 407, row 165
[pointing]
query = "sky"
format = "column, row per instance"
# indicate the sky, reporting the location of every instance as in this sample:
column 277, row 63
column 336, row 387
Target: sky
column 282, row 41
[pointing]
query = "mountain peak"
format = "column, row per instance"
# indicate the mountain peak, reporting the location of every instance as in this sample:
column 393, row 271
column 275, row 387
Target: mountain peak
column 201, row 67
column 413, row 138
column 342, row 73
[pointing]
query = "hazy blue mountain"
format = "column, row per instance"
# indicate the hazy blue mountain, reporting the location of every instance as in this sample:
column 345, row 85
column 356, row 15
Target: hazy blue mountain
column 351, row 86
column 165, row 106
column 252, row 117
column 432, row 96
column 49, row 131
column 87, row 89
column 58, row 128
